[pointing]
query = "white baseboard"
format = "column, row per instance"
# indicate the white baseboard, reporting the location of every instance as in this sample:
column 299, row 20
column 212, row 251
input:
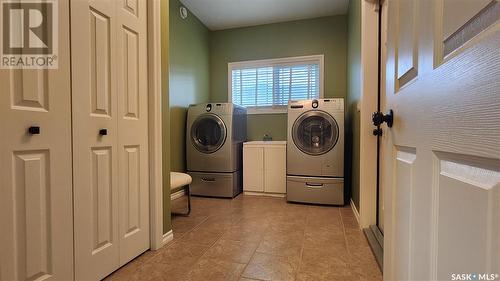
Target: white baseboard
column 177, row 194
column 167, row 238
column 356, row 213
column 254, row 193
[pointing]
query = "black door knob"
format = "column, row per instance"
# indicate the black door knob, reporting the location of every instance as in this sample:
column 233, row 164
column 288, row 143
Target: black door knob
column 378, row 118
column 103, row 132
column 34, row 130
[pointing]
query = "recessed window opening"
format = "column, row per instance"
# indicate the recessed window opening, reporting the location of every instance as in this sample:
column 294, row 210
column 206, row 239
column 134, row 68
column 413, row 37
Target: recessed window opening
column 266, row 86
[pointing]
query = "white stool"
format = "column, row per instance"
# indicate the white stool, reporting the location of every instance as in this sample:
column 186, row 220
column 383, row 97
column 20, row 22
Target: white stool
column 180, row 181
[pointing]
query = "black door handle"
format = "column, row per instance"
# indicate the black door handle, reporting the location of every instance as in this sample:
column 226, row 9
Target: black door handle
column 34, row 130
column 103, row 132
column 378, row 118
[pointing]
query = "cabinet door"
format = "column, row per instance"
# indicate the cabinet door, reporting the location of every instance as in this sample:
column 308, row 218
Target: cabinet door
column 36, row 222
column 253, row 169
column 275, row 169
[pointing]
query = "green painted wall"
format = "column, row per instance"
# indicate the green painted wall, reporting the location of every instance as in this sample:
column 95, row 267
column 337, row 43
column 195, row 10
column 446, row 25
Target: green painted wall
column 353, row 98
column 273, row 125
column 167, row 222
column 327, row 35
column 189, row 76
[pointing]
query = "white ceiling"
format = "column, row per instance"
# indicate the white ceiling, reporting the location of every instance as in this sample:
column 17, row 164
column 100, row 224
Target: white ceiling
column 224, row 14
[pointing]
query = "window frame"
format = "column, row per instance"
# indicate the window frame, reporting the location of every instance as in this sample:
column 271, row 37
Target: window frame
column 277, row 109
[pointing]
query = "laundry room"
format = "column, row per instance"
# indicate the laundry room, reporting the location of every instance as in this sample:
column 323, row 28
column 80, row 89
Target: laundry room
column 263, row 109
column 241, row 70
column 201, row 52
column 249, row 140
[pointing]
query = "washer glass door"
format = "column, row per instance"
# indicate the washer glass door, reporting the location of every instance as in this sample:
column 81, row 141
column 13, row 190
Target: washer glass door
column 208, row 133
column 315, row 132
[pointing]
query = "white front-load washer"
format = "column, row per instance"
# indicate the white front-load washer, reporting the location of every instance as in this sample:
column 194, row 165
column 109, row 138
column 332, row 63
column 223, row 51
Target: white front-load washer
column 315, row 151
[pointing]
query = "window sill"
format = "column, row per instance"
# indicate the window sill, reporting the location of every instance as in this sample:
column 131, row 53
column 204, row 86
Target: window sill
column 257, row 111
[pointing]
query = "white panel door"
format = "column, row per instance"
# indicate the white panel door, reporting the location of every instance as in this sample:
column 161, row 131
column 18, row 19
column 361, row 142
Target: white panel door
column 110, row 130
column 133, row 176
column 95, row 132
column 36, row 233
column 441, row 159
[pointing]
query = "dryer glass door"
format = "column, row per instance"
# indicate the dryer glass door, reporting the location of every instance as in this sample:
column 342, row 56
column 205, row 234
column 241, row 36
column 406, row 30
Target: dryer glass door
column 208, row 133
column 315, row 132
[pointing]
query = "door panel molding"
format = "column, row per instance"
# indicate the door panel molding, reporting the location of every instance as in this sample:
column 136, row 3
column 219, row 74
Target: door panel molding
column 102, row 199
column 29, row 89
column 32, row 217
column 131, row 6
column 465, row 196
column 453, row 34
column 100, row 62
column 406, row 49
column 131, row 72
column 402, row 211
column 132, row 189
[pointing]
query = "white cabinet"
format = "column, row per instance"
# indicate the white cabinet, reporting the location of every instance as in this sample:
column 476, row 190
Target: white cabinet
column 264, row 167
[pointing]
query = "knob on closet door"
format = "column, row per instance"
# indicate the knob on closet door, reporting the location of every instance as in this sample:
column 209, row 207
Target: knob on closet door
column 34, row 130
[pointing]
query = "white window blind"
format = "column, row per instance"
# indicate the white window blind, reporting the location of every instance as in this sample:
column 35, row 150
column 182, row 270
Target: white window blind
column 272, row 83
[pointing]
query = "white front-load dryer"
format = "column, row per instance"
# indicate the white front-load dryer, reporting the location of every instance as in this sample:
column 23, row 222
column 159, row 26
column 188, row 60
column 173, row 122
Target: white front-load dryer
column 315, row 151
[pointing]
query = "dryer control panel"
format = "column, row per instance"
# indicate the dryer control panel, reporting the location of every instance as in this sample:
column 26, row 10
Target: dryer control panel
column 335, row 104
column 216, row 108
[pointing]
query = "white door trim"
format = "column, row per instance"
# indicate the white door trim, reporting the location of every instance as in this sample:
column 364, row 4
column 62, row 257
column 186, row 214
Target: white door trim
column 368, row 142
column 155, row 124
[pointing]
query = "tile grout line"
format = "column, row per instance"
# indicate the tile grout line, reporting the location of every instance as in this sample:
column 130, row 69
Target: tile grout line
column 215, row 242
column 343, row 231
column 192, row 228
column 302, row 246
column 348, row 248
column 253, row 254
column 205, row 252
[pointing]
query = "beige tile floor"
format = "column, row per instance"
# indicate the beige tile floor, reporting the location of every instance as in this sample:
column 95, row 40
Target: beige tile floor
column 258, row 238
